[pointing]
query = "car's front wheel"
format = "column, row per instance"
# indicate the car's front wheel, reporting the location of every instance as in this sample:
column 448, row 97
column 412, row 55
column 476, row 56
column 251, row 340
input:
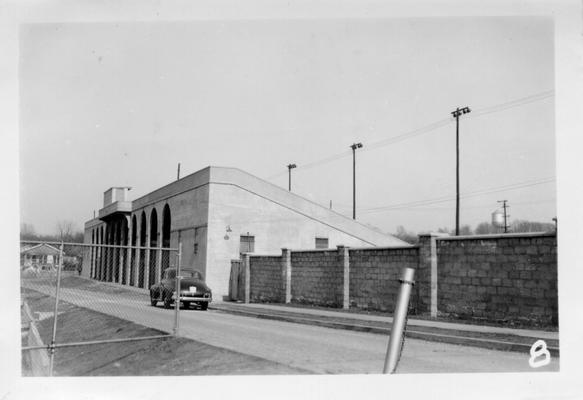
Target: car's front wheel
column 168, row 300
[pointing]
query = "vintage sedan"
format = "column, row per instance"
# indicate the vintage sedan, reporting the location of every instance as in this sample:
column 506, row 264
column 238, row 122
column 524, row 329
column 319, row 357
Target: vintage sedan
column 193, row 289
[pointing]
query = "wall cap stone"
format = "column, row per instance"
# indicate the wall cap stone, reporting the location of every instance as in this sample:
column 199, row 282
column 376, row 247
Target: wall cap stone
column 412, row 246
column 500, row 236
column 435, row 234
column 256, row 255
column 313, row 250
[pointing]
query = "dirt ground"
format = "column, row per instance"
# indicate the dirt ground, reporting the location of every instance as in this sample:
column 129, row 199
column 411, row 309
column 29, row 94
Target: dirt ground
column 167, row 356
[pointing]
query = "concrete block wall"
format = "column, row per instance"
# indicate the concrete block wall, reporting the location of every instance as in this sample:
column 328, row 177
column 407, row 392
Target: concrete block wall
column 317, row 278
column 510, row 278
column 503, row 277
column 375, row 273
column 266, row 282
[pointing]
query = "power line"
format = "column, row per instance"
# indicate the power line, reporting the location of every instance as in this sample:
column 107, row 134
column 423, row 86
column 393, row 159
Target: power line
column 479, row 207
column 425, row 129
column 408, row 135
column 443, row 199
column 514, row 103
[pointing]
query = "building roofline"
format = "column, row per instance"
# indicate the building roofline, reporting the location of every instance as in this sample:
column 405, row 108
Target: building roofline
column 219, row 175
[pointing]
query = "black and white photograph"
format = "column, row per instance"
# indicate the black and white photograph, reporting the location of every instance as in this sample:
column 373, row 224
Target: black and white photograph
column 292, row 201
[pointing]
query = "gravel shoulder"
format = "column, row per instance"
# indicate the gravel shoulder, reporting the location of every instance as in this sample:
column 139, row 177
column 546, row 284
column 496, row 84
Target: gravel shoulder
column 169, row 356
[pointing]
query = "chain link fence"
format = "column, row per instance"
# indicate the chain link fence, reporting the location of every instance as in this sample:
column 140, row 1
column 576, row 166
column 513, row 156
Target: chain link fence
column 75, row 294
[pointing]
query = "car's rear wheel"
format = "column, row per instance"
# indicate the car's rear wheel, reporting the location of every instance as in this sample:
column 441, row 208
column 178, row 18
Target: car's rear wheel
column 204, row 306
column 153, row 300
column 186, row 304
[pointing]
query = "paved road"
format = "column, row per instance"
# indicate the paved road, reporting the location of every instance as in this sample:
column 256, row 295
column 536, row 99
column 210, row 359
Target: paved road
column 316, row 349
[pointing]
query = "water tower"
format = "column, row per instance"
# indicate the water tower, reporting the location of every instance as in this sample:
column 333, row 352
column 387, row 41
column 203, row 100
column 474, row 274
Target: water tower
column 498, row 218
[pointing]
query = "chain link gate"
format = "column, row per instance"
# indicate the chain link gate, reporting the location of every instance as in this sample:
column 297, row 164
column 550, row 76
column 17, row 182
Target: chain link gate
column 77, row 294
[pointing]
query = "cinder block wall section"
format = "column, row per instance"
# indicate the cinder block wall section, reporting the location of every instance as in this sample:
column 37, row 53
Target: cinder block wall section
column 317, row 278
column 266, row 282
column 512, row 277
column 375, row 273
column 509, row 278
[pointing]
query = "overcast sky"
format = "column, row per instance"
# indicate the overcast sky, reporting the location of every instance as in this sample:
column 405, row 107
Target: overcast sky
column 111, row 104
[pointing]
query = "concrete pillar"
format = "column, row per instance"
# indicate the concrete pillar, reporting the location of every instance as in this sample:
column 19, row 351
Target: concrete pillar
column 247, row 277
column 122, row 252
column 115, row 264
column 147, row 258
column 92, row 254
column 159, row 257
column 286, row 275
column 344, row 262
column 427, row 276
column 138, row 253
column 128, row 251
column 94, row 249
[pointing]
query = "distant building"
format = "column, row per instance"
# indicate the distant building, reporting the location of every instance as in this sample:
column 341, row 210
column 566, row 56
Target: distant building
column 40, row 257
column 216, row 214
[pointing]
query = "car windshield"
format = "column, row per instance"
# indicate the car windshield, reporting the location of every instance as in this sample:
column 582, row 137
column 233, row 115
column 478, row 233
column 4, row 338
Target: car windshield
column 185, row 273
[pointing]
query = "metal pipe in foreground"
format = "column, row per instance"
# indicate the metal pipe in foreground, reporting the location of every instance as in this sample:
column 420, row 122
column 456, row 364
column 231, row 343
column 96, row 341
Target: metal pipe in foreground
column 177, row 301
column 399, row 321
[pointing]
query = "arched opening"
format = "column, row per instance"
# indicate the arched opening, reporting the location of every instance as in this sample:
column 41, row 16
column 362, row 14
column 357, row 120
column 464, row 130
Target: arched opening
column 166, row 224
column 142, row 265
column 132, row 278
column 153, row 243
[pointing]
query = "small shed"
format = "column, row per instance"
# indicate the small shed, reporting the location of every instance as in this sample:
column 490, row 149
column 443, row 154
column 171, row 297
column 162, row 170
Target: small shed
column 41, row 256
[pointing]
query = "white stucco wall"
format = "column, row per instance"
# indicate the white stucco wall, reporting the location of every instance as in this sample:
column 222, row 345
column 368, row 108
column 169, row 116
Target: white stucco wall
column 274, row 227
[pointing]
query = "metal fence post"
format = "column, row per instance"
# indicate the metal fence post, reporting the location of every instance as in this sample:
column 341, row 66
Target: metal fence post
column 177, row 301
column 399, row 321
column 54, row 335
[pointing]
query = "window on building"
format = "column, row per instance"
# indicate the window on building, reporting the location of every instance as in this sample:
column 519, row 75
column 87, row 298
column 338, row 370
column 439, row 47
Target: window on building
column 196, row 248
column 247, row 244
column 321, row 243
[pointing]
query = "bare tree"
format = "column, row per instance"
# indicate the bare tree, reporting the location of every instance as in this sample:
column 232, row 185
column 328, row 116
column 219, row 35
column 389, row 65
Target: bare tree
column 405, row 235
column 65, row 230
column 485, row 228
column 27, row 232
column 532, row 226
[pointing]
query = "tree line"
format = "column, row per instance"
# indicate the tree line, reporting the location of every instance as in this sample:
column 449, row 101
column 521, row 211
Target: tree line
column 483, row 228
column 65, row 231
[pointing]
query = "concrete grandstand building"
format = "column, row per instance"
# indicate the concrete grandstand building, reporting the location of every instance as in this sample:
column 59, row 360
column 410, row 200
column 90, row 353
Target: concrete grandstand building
column 216, row 214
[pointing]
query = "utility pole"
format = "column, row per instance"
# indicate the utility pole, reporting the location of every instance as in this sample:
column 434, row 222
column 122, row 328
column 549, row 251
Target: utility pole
column 289, row 168
column 354, row 146
column 456, row 114
column 178, row 172
column 504, row 206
